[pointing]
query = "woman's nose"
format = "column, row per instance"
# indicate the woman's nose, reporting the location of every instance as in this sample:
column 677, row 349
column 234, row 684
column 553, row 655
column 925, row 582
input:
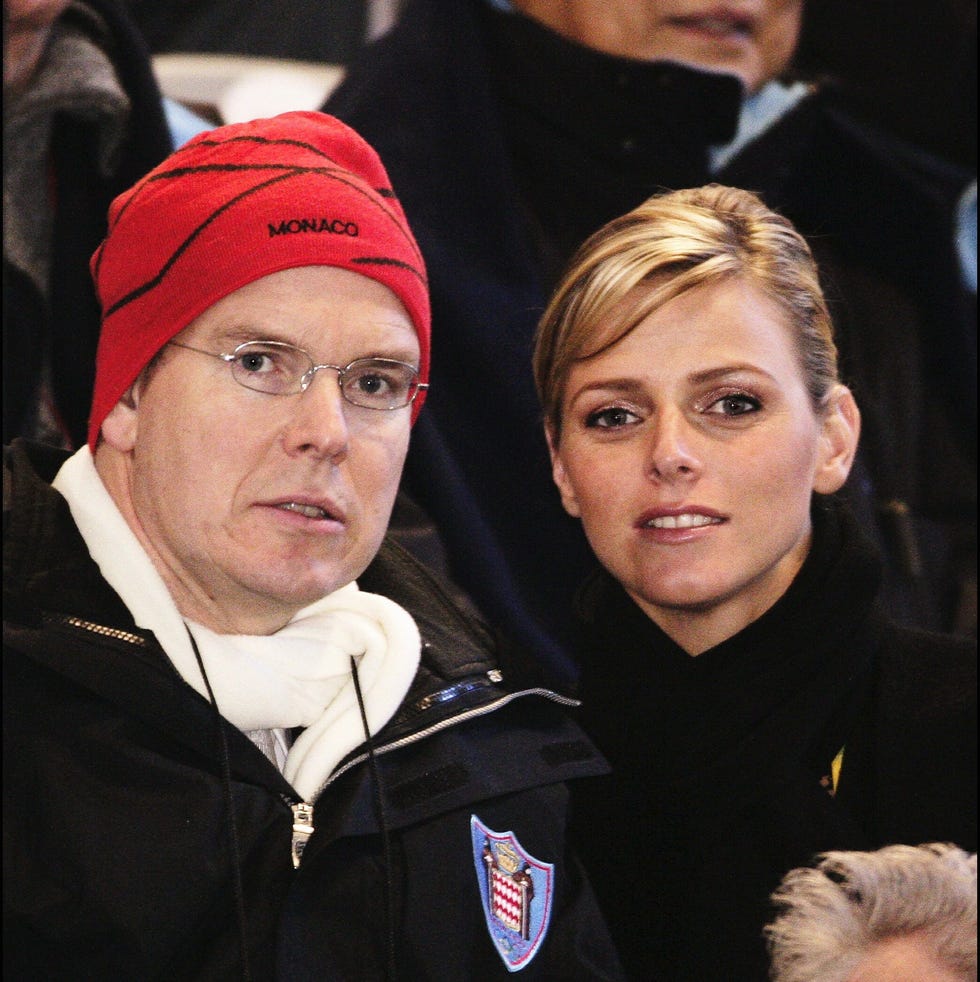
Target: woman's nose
column 672, row 456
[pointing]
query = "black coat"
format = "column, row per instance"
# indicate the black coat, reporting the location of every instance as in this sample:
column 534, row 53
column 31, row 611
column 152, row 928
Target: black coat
column 507, row 146
column 120, row 784
column 722, row 764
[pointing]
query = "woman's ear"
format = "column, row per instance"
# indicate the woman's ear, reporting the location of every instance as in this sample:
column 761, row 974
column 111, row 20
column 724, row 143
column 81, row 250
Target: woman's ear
column 560, row 476
column 838, row 442
column 119, row 428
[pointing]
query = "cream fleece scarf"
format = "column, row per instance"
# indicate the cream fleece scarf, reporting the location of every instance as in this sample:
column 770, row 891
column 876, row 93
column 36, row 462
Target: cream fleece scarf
column 298, row 677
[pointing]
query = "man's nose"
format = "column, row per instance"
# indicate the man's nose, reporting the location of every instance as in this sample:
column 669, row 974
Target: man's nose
column 318, row 423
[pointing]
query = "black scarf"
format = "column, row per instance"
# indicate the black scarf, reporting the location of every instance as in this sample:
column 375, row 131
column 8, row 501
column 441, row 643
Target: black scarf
column 592, row 135
column 721, row 761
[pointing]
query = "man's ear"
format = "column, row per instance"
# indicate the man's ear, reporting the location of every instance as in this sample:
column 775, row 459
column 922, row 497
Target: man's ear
column 120, row 426
column 560, row 476
column 838, row 442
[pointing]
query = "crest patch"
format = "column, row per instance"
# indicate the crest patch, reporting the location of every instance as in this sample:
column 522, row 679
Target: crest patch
column 517, row 892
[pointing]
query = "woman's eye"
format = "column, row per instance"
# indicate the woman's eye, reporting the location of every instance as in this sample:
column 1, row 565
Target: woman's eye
column 736, row 404
column 611, row 418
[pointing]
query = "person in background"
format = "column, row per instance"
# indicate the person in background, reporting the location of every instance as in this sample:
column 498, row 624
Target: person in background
column 514, row 130
column 755, row 703
column 899, row 913
column 245, row 735
column 83, row 118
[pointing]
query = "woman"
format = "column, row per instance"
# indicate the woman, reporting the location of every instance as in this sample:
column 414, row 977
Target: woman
column 755, row 705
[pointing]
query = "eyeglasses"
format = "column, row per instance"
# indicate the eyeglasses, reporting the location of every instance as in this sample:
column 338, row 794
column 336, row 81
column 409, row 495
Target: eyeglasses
column 280, row 369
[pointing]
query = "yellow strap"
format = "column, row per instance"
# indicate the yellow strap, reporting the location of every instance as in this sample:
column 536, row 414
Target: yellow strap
column 835, row 766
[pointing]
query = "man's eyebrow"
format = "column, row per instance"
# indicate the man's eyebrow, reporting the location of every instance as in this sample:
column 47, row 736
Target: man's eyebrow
column 231, row 337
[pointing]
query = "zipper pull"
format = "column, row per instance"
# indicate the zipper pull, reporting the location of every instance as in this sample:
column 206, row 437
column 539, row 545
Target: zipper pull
column 302, row 829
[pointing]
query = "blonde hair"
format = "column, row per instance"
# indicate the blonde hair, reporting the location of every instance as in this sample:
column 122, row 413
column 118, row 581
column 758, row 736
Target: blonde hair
column 672, row 243
column 832, row 916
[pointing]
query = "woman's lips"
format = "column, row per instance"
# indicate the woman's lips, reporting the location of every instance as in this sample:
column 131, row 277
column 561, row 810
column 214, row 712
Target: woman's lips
column 687, row 520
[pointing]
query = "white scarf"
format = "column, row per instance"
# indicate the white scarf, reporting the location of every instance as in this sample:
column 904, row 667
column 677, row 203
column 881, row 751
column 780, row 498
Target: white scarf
column 299, row 676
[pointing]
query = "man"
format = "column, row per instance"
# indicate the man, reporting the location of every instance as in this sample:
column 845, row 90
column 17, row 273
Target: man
column 224, row 756
column 513, row 130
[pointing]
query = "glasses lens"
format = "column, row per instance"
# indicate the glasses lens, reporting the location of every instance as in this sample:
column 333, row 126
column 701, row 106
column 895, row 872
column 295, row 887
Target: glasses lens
column 270, row 366
column 377, row 383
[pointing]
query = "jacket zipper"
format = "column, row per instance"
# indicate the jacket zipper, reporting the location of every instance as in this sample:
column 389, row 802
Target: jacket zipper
column 446, row 724
column 303, row 826
column 302, row 829
column 106, row 632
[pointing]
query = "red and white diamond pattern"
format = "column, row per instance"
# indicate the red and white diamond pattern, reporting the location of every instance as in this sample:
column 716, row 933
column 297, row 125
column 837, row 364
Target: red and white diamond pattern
column 506, row 900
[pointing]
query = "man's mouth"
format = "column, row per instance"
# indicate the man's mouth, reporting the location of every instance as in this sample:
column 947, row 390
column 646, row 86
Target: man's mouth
column 720, row 26
column 309, row 511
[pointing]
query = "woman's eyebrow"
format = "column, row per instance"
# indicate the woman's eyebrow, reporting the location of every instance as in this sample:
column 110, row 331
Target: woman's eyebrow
column 615, row 386
column 626, row 383
column 723, row 371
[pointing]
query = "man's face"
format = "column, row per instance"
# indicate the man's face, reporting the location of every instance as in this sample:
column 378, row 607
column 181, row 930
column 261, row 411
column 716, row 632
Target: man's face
column 753, row 39
column 252, row 505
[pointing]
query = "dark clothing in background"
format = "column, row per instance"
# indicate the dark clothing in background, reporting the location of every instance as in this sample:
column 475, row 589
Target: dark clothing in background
column 722, row 762
column 307, row 30
column 61, row 324
column 908, row 68
column 120, row 782
column 879, row 217
column 507, row 145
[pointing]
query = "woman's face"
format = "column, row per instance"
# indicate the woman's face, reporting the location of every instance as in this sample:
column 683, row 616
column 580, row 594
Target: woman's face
column 690, row 450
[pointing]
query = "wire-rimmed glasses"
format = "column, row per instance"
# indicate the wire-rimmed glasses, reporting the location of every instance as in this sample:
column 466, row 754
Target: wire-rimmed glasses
column 280, row 369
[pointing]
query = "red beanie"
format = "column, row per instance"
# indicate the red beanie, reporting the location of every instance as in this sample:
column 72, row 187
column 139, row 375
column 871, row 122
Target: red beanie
column 231, row 206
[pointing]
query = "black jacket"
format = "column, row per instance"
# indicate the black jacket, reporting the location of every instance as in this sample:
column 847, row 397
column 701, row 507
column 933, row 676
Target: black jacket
column 507, row 145
column 69, row 318
column 722, row 764
column 128, row 803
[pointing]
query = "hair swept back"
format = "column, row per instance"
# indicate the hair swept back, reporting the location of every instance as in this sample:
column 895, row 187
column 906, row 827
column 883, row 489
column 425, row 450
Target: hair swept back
column 831, row 916
column 672, row 243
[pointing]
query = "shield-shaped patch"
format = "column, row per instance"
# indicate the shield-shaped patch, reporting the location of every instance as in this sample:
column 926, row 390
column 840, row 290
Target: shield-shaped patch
column 516, row 890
